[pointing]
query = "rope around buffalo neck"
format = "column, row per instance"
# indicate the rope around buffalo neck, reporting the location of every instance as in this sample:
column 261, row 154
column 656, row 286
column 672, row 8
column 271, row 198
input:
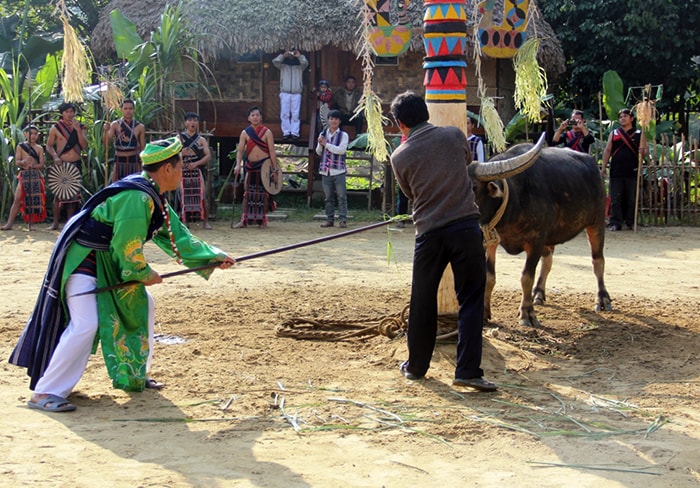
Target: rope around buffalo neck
column 491, row 237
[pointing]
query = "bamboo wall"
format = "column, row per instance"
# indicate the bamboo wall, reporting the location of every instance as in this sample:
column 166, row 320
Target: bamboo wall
column 670, row 193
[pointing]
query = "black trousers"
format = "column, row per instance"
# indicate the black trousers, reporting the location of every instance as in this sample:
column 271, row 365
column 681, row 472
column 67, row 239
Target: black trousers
column 623, row 192
column 401, row 203
column 461, row 245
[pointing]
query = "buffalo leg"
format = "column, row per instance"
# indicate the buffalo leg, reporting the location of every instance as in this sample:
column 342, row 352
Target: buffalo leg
column 545, row 268
column 527, row 310
column 490, row 279
column 596, row 239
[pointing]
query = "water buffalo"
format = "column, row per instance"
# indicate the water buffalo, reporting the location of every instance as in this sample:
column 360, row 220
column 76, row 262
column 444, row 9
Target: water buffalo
column 549, row 203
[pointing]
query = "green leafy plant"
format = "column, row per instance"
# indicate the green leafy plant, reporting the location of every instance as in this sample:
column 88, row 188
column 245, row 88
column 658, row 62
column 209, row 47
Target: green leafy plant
column 160, row 69
column 613, row 94
column 13, row 113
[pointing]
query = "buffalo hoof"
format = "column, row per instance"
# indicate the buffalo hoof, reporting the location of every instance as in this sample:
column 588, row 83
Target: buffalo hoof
column 538, row 301
column 529, row 320
column 603, row 303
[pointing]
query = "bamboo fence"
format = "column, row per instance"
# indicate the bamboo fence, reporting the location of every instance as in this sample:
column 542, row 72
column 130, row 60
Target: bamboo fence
column 670, row 189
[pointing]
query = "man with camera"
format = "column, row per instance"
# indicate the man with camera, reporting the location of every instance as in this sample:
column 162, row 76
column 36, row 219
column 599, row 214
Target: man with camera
column 291, row 64
column 577, row 137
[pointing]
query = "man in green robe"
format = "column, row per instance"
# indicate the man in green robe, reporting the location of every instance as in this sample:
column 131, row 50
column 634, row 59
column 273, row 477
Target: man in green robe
column 101, row 246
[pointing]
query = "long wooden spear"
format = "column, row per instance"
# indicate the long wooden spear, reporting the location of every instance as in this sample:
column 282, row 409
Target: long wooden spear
column 259, row 254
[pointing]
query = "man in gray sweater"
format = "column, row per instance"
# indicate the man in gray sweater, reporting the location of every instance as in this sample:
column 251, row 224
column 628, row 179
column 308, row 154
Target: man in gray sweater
column 291, row 65
column 431, row 169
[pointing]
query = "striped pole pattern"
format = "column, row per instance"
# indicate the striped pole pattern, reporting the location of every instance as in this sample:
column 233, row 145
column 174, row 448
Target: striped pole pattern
column 444, row 39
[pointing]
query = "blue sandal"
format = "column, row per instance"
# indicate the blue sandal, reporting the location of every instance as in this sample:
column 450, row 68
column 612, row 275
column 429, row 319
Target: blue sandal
column 52, row 403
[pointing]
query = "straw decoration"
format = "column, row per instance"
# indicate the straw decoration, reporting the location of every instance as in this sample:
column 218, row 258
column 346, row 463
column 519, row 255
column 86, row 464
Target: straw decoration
column 370, row 102
column 530, row 80
column 75, row 62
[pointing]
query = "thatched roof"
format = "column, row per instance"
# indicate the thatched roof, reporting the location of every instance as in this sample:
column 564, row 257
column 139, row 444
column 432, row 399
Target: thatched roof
column 235, row 27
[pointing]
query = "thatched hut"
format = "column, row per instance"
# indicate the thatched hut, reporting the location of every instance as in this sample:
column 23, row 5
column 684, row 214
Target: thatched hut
column 241, row 38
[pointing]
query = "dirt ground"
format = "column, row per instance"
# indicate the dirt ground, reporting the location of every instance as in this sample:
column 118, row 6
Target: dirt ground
column 587, row 400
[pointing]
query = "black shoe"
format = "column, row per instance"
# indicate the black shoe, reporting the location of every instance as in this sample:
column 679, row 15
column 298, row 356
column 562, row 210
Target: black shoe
column 287, row 137
column 409, row 376
column 327, row 223
column 477, row 383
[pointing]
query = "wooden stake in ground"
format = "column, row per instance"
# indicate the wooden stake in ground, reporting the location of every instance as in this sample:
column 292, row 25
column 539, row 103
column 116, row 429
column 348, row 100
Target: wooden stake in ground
column 444, row 39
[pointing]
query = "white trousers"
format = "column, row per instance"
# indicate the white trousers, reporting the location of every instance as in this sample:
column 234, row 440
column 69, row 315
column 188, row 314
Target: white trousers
column 75, row 345
column 290, row 105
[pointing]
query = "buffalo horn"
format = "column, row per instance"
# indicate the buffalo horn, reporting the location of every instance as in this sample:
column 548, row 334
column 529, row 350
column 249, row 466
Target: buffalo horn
column 505, row 168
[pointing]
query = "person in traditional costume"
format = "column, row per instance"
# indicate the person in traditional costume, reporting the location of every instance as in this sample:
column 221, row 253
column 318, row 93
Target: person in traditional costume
column 195, row 156
column 102, row 245
column 30, row 194
column 622, row 152
column 255, row 146
column 578, row 137
column 65, row 142
column 129, row 137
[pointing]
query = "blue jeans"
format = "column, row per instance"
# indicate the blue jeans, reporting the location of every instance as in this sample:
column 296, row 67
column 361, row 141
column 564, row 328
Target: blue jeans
column 334, row 186
column 461, row 245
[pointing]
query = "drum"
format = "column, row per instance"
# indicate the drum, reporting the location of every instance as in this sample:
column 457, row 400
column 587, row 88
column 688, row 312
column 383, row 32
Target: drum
column 64, row 180
column 271, row 186
column 192, row 203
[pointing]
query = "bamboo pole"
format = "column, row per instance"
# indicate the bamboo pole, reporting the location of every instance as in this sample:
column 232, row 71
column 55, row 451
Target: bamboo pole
column 639, row 181
column 600, row 118
column 106, row 143
column 694, row 175
column 256, row 255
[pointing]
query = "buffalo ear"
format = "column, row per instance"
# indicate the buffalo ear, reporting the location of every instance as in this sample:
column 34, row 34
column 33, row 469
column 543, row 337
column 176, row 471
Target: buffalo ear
column 494, row 189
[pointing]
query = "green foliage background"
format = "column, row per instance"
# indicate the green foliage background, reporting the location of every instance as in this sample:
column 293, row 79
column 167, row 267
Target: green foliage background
column 645, row 42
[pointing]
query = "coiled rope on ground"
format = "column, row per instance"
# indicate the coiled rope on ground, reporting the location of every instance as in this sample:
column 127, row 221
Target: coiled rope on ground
column 333, row 330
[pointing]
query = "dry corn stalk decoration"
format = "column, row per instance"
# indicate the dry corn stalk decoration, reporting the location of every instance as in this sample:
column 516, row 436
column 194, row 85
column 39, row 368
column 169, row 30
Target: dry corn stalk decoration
column 112, row 96
column 76, row 66
column 493, row 125
column 646, row 109
column 530, row 80
column 370, row 103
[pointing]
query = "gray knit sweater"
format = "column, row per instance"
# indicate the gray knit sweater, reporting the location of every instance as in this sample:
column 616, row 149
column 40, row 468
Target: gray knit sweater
column 431, row 169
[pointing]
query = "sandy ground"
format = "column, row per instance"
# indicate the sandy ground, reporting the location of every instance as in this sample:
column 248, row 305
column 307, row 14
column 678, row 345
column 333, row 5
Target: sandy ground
column 587, row 400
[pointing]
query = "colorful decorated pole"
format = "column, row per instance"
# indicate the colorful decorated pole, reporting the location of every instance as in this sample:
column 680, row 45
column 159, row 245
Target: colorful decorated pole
column 444, row 39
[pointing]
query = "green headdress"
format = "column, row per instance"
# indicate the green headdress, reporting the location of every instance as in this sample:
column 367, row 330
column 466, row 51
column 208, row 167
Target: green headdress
column 158, row 151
